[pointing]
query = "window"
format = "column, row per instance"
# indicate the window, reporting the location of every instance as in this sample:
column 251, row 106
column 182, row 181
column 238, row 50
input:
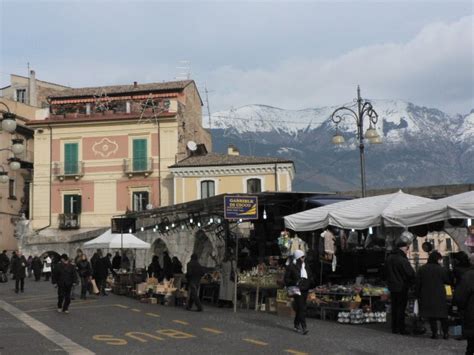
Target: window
column 71, row 158
column 21, row 95
column 140, row 200
column 12, row 189
column 207, row 188
column 254, row 186
column 139, row 154
column 72, row 204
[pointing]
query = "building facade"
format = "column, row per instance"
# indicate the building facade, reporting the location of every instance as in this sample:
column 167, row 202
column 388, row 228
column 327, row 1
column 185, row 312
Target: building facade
column 204, row 174
column 106, row 150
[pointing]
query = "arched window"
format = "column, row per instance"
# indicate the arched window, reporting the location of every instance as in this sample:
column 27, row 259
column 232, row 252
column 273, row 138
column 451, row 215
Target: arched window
column 207, row 188
column 254, row 186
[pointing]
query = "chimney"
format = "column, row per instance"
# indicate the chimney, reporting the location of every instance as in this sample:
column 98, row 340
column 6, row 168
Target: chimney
column 135, row 84
column 32, row 95
column 232, row 150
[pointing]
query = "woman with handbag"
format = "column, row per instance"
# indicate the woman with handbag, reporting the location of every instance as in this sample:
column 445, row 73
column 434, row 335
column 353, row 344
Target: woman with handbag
column 298, row 280
column 85, row 273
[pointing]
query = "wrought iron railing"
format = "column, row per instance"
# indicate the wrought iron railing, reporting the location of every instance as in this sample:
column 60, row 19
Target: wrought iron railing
column 137, row 166
column 69, row 221
column 68, row 169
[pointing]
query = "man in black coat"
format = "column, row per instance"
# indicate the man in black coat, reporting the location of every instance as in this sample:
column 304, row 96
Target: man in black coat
column 101, row 271
column 400, row 276
column 19, row 271
column 464, row 299
column 4, row 262
column 431, row 293
column 37, row 266
column 65, row 277
column 194, row 273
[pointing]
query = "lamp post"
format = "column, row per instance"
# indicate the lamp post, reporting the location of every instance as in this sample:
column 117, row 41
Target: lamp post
column 364, row 110
column 9, row 125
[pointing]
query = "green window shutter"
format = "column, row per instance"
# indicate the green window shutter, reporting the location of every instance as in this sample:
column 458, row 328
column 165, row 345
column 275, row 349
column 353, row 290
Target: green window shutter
column 139, row 154
column 72, row 204
column 71, row 158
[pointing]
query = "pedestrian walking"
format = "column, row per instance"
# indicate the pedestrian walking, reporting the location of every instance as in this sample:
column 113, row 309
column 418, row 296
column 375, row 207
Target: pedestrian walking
column 65, row 277
column 299, row 279
column 431, row 293
column 464, row 300
column 194, row 273
column 28, row 266
column 11, row 261
column 47, row 267
column 19, row 271
column 103, row 266
column 400, row 276
column 95, row 258
column 4, row 264
column 36, row 266
column 85, row 273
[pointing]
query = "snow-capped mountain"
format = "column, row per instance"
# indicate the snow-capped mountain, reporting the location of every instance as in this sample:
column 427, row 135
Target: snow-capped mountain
column 421, row 146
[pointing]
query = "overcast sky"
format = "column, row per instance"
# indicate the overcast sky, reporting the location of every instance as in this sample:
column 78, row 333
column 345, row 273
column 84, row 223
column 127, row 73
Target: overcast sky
column 289, row 54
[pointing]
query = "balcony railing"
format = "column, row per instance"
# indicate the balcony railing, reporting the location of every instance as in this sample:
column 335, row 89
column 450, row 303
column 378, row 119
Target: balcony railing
column 138, row 166
column 69, row 221
column 68, row 169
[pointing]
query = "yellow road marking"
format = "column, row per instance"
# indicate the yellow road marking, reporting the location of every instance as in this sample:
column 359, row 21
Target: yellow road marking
column 120, row 305
column 180, row 322
column 153, row 315
column 211, row 330
column 135, row 310
column 256, row 342
column 291, row 351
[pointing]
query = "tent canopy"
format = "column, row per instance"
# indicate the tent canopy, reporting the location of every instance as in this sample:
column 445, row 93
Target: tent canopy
column 456, row 206
column 109, row 240
column 360, row 213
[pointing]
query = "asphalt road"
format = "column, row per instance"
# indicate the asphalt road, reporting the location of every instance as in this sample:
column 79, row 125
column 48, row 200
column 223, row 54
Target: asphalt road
column 29, row 322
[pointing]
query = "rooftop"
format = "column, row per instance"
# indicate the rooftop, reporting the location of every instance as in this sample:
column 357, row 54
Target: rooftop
column 216, row 159
column 120, row 89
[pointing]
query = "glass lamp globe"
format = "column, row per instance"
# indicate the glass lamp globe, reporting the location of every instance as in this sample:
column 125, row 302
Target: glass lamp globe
column 371, row 133
column 338, row 139
column 8, row 123
column 15, row 164
column 3, row 177
column 17, row 146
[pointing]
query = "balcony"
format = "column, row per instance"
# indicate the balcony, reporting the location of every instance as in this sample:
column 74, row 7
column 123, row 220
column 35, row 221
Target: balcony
column 138, row 166
column 69, row 221
column 68, row 170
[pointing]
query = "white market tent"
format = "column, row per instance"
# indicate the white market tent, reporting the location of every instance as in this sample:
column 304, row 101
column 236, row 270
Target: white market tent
column 360, row 213
column 109, row 240
column 456, row 206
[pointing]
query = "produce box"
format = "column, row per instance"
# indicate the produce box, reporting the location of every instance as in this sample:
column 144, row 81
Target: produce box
column 282, row 295
column 284, row 309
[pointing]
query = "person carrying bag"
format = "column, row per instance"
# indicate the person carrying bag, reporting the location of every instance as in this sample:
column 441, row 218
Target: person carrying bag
column 298, row 280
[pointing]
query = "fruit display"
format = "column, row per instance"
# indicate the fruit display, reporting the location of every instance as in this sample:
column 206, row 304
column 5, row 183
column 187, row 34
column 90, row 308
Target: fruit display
column 358, row 316
column 253, row 278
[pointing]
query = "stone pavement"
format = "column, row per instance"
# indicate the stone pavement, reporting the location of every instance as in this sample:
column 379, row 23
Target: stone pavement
column 119, row 325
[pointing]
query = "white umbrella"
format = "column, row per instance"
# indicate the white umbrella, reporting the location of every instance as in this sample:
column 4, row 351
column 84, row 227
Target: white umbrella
column 109, row 240
column 456, row 206
column 359, row 213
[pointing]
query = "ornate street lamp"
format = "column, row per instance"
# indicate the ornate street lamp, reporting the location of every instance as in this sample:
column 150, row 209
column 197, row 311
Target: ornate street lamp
column 3, row 176
column 364, row 110
column 9, row 125
column 14, row 164
column 17, row 146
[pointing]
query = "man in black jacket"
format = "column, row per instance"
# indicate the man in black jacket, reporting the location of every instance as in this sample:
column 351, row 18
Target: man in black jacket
column 4, row 262
column 102, row 268
column 464, row 299
column 19, row 271
column 65, row 276
column 400, row 276
column 194, row 273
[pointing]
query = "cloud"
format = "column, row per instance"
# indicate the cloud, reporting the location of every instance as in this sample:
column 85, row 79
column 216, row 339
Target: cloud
column 435, row 68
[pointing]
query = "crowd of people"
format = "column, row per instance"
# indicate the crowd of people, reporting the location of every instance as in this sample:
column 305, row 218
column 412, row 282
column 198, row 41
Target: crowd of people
column 431, row 284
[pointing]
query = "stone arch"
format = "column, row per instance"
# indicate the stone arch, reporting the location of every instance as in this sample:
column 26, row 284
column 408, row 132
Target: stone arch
column 158, row 247
column 205, row 249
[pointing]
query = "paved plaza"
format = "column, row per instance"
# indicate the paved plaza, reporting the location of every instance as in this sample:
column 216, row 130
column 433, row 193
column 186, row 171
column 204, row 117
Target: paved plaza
column 122, row 325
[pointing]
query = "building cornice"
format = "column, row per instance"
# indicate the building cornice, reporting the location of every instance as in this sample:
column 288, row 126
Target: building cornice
column 232, row 170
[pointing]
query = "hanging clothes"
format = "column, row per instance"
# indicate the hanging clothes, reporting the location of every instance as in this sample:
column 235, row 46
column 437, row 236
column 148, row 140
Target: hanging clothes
column 298, row 244
column 329, row 243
